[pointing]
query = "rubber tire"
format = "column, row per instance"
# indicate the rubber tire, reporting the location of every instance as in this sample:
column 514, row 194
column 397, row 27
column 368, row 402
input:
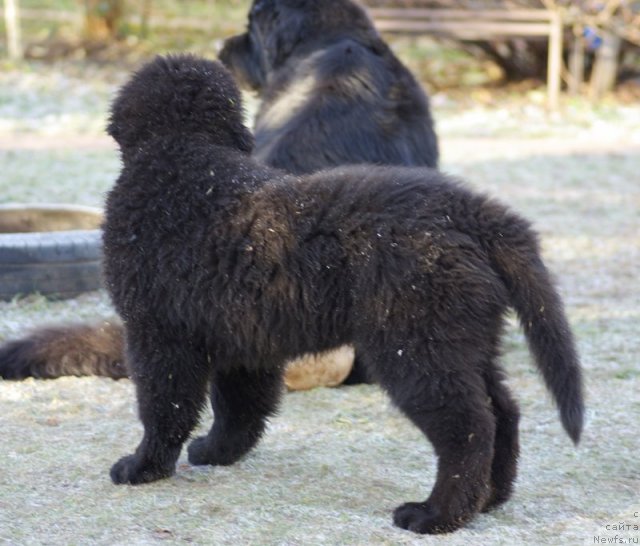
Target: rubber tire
column 57, row 264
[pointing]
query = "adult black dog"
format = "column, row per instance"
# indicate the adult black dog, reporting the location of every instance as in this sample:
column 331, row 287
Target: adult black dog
column 223, row 269
column 331, row 92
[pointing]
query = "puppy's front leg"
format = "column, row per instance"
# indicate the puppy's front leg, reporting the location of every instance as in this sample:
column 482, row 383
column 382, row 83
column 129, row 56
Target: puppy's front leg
column 171, row 380
column 242, row 400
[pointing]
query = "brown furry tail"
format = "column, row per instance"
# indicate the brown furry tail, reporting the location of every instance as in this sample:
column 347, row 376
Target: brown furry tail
column 76, row 350
column 516, row 256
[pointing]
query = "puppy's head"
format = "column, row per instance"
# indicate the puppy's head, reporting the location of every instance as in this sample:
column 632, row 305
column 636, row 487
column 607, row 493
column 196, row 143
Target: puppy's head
column 279, row 29
column 182, row 95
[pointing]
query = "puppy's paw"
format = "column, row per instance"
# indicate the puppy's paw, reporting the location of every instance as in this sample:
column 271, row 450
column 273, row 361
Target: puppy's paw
column 131, row 470
column 422, row 518
column 203, row 451
column 497, row 498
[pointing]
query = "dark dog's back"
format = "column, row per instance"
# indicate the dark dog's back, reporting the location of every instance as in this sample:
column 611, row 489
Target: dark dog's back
column 344, row 104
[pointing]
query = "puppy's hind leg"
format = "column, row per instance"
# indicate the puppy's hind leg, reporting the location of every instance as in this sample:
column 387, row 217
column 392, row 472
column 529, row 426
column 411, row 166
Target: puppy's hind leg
column 507, row 448
column 447, row 400
column 242, row 400
column 171, row 382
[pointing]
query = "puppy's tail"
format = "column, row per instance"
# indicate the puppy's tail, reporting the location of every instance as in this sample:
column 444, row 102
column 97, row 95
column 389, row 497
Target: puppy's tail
column 76, row 350
column 515, row 253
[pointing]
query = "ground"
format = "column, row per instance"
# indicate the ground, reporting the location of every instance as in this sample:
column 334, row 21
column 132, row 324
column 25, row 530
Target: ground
column 321, row 475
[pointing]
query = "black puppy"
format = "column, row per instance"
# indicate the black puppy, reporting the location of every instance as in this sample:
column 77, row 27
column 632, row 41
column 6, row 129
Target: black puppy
column 223, row 269
column 332, row 92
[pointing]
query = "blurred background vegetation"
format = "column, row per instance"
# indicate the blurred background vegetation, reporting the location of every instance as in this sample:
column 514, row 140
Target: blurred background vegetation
column 126, row 31
column 118, row 30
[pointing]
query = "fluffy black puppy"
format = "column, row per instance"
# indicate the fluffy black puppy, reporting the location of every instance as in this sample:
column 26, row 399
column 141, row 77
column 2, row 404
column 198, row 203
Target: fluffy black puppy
column 223, row 269
column 332, row 92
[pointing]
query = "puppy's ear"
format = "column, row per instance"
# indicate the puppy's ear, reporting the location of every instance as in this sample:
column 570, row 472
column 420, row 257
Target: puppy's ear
column 244, row 61
column 291, row 28
column 277, row 26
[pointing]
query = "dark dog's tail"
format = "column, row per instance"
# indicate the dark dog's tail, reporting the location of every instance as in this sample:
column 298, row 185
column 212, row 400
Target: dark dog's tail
column 514, row 251
column 76, row 350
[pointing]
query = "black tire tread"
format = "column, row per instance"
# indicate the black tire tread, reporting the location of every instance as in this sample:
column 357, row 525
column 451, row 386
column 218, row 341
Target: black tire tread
column 59, row 264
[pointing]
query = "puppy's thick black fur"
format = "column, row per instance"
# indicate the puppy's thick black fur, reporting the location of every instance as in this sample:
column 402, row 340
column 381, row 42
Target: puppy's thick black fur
column 223, row 269
column 332, row 92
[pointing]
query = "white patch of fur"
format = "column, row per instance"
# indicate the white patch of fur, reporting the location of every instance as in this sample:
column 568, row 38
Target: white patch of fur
column 326, row 369
column 290, row 100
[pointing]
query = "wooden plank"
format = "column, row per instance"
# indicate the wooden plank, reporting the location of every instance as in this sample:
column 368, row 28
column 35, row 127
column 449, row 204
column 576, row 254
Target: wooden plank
column 50, row 14
column 576, row 64
column 12, row 24
column 603, row 76
column 554, row 67
column 479, row 24
column 464, row 29
column 436, row 13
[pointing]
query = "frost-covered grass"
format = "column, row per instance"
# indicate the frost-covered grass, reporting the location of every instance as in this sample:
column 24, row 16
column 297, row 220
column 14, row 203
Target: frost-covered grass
column 65, row 99
column 53, row 146
column 526, row 115
column 57, row 176
column 335, row 462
